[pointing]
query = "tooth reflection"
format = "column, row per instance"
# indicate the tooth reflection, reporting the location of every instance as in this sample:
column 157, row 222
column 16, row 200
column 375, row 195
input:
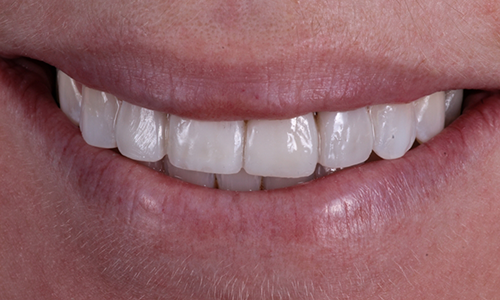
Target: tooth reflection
column 158, row 166
column 197, row 178
column 241, row 182
column 273, row 183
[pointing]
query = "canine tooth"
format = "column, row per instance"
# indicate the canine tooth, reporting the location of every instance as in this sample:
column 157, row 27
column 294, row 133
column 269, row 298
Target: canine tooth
column 281, row 148
column 98, row 118
column 70, row 96
column 140, row 133
column 394, row 129
column 453, row 104
column 429, row 112
column 240, row 181
column 272, row 183
column 194, row 177
column 346, row 138
column 205, row 146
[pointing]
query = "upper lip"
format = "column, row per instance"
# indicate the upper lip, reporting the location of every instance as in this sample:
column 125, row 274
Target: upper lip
column 274, row 91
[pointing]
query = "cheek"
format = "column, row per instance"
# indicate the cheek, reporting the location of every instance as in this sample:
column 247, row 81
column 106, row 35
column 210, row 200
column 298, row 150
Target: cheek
column 456, row 242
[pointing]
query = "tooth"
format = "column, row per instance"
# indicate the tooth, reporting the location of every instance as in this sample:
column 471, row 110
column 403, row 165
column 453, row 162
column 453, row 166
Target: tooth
column 240, row 181
column 281, row 148
column 204, row 146
column 453, row 104
column 394, row 129
column 429, row 112
column 272, row 183
column 346, row 138
column 140, row 133
column 70, row 96
column 194, row 177
column 158, row 166
column 98, row 118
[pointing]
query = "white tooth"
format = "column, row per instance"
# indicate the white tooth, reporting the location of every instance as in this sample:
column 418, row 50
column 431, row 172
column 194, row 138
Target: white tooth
column 272, row 183
column 205, row 146
column 194, row 177
column 429, row 112
column 281, row 148
column 70, row 96
column 98, row 118
column 453, row 104
column 140, row 133
column 240, row 181
column 393, row 128
column 346, row 138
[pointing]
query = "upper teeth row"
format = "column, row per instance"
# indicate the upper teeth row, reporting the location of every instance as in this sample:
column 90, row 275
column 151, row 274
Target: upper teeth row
column 280, row 148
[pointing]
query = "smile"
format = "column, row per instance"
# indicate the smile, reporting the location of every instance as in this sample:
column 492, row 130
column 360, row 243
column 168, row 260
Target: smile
column 254, row 154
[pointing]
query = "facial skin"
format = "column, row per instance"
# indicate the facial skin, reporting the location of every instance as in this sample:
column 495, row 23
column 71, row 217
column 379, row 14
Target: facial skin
column 77, row 222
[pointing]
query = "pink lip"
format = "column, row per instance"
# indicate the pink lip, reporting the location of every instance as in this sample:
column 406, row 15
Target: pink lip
column 277, row 90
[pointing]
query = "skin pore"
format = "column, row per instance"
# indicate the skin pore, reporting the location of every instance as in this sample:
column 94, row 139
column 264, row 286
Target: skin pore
column 77, row 222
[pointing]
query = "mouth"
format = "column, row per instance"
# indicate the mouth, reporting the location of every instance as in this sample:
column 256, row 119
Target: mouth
column 251, row 155
column 249, row 149
column 127, row 189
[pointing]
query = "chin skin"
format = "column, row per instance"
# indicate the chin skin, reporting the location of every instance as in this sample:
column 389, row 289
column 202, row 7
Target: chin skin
column 63, row 237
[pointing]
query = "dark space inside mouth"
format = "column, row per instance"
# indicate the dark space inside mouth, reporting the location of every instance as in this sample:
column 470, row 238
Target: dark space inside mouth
column 471, row 97
column 53, row 80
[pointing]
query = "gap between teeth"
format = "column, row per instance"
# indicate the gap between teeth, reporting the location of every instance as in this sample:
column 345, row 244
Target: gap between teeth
column 254, row 154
